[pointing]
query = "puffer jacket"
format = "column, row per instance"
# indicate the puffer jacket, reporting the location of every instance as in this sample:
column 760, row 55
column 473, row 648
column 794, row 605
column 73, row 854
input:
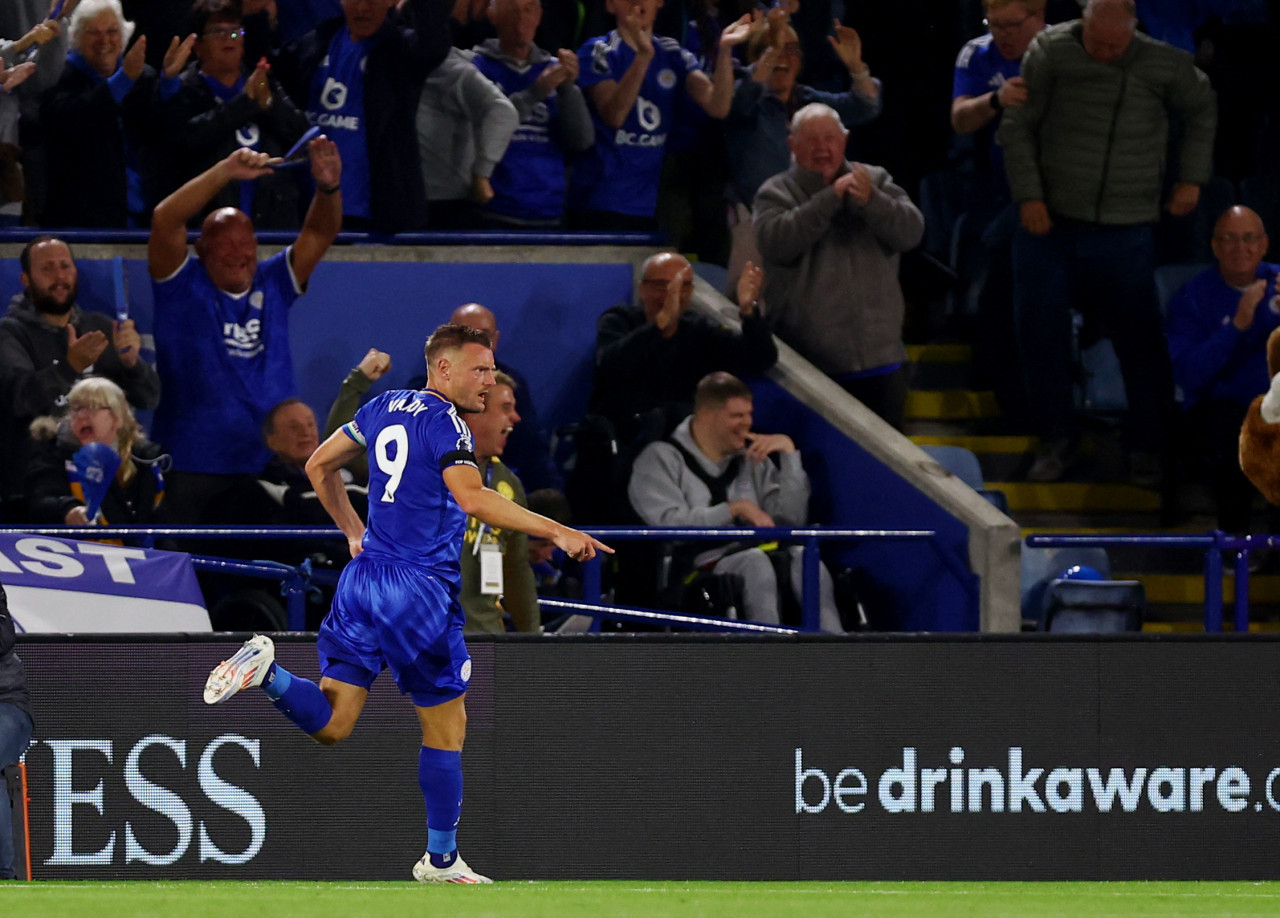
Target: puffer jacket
column 1092, row 139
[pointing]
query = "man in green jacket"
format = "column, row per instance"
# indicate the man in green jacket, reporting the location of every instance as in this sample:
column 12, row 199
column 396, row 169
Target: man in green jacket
column 496, row 576
column 1085, row 158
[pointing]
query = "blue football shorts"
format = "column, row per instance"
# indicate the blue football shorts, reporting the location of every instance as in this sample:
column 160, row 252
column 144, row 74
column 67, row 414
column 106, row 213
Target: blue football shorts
column 387, row 614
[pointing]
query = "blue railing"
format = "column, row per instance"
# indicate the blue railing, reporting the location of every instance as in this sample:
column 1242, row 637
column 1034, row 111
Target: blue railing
column 78, row 236
column 295, row 580
column 809, row 538
column 1212, row 543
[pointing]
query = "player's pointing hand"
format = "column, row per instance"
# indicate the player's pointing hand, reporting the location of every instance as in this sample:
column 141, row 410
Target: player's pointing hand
column 578, row 545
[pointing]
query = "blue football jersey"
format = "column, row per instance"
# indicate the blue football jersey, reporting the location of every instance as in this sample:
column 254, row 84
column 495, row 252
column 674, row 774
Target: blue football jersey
column 337, row 106
column 621, row 171
column 411, row 438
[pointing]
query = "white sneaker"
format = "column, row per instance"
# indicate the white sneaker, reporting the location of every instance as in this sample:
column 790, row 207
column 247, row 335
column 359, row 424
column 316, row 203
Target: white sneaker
column 247, row 667
column 457, row 872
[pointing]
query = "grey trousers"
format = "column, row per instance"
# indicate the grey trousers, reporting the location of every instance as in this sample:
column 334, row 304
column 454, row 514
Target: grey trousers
column 760, row 586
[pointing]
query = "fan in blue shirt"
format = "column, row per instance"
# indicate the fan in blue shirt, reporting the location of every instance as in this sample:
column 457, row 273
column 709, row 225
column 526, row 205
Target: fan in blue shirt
column 988, row 72
column 1217, row 328
column 529, row 183
column 221, row 324
column 632, row 79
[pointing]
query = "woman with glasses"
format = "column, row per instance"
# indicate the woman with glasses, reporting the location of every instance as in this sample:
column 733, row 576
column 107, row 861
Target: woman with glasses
column 218, row 105
column 97, row 412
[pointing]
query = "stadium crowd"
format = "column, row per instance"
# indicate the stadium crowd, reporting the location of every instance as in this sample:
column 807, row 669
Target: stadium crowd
column 806, row 146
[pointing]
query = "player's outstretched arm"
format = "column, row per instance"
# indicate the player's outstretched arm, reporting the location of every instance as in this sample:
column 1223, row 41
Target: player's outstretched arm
column 323, row 468
column 489, row 506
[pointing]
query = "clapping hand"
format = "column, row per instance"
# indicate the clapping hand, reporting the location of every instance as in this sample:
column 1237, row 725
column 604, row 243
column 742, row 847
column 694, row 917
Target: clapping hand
column 177, row 55
column 256, row 86
column 750, row 283
column 856, row 183
column 84, row 350
column 738, row 31
column 1248, row 304
column 848, row 47
column 668, row 317
column 135, row 58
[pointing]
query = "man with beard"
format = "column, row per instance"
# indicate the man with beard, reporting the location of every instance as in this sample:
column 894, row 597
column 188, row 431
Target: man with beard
column 47, row 344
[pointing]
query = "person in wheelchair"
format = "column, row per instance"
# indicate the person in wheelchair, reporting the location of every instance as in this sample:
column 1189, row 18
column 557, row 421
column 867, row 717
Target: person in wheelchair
column 715, row 471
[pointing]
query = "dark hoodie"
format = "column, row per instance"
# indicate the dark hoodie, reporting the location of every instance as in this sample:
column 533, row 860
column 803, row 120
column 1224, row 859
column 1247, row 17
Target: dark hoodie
column 35, row 378
column 13, row 678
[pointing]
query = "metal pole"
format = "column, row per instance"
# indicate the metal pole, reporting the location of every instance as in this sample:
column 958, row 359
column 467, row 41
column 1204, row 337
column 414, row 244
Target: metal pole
column 1213, row 590
column 810, row 584
column 1242, row 589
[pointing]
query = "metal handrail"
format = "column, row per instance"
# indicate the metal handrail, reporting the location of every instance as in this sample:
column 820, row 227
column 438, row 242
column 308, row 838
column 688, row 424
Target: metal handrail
column 491, row 237
column 295, row 580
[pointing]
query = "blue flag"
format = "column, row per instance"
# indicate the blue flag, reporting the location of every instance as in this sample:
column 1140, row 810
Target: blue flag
column 96, row 465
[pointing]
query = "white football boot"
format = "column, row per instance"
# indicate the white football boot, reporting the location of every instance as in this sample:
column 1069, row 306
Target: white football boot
column 247, row 667
column 457, row 872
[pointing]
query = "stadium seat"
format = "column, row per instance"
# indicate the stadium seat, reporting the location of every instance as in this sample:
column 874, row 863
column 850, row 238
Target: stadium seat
column 715, row 275
column 968, row 259
column 1184, row 239
column 963, row 463
column 944, row 195
column 1170, row 278
column 1261, row 193
column 1099, row 390
column 1092, row 607
column 1041, row 566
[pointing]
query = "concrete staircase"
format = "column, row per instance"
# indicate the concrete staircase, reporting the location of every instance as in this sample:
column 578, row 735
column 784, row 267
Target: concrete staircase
column 943, row 410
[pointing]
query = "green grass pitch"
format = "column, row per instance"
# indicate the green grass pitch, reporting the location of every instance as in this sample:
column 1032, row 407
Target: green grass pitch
column 139, row 899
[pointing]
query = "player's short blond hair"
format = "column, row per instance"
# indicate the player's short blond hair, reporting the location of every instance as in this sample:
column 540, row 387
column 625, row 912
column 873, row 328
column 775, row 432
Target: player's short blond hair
column 452, row 337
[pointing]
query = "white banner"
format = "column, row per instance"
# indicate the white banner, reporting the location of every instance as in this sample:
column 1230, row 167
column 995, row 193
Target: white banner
column 60, row 585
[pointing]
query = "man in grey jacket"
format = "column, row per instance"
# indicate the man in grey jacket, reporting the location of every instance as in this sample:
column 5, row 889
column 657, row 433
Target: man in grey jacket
column 464, row 125
column 715, row 471
column 831, row 233
column 1085, row 159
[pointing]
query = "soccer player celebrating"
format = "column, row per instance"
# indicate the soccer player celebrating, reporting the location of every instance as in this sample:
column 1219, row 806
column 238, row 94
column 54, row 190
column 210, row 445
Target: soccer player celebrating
column 396, row 605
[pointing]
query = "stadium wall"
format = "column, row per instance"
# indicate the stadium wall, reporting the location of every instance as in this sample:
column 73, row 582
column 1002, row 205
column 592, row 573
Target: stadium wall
column 961, row 757
column 548, row 299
